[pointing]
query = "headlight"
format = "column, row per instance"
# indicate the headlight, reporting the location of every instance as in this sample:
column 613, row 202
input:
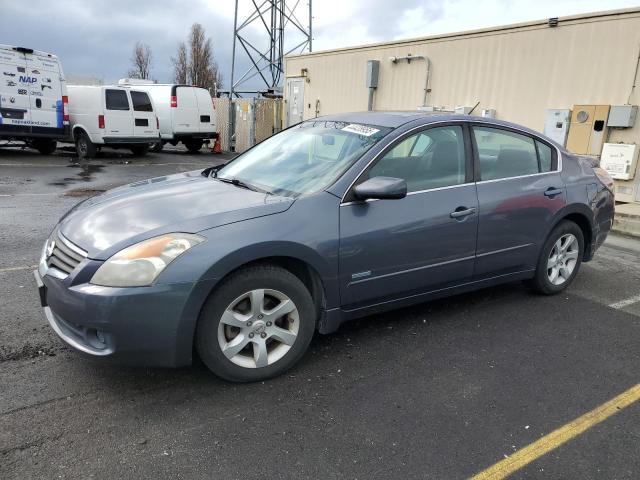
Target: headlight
column 140, row 264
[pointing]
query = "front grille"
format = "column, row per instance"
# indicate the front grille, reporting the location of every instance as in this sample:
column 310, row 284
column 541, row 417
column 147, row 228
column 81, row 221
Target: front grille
column 65, row 255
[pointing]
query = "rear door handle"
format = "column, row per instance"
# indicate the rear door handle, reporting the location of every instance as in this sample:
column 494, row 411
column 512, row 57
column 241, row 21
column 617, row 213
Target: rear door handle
column 552, row 192
column 462, row 212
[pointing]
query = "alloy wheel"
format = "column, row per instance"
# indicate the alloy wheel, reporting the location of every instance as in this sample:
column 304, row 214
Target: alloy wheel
column 258, row 328
column 563, row 259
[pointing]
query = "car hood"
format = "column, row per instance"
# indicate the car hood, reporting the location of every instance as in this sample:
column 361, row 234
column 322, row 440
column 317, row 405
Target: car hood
column 185, row 202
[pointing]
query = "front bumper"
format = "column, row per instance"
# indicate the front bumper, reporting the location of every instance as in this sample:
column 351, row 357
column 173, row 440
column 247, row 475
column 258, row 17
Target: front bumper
column 150, row 326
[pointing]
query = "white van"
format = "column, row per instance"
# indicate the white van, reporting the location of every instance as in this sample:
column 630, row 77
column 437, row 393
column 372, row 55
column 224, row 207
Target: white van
column 111, row 116
column 186, row 113
column 33, row 98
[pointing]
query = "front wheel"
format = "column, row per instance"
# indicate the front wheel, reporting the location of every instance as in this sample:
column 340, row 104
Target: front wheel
column 85, row 148
column 256, row 325
column 560, row 259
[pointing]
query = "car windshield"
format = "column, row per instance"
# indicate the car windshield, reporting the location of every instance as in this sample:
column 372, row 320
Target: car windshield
column 303, row 159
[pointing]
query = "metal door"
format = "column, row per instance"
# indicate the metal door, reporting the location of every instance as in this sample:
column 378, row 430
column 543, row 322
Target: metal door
column 144, row 118
column 118, row 115
column 295, row 105
column 186, row 117
column 15, row 111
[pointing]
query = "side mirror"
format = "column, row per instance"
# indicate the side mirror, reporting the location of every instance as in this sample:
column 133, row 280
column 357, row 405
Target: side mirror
column 381, row 188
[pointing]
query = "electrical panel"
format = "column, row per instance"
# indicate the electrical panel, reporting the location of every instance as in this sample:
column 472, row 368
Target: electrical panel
column 588, row 129
column 622, row 116
column 373, row 69
column 556, row 124
column 620, row 160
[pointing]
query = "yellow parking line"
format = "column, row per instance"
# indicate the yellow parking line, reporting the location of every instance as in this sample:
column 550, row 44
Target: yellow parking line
column 553, row 440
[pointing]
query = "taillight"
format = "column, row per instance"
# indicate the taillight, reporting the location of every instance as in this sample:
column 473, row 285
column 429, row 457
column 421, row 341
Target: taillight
column 604, row 178
column 65, row 108
column 157, row 124
column 174, row 101
column 100, row 121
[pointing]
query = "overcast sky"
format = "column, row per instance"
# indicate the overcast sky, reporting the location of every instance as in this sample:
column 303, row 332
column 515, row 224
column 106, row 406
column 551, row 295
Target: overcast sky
column 96, row 37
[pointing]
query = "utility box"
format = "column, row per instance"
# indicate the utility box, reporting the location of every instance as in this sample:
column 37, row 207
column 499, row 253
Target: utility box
column 622, row 116
column 556, row 124
column 373, row 69
column 620, row 160
column 588, row 129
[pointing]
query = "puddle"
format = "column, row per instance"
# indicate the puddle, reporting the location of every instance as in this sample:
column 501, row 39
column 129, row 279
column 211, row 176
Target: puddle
column 86, row 173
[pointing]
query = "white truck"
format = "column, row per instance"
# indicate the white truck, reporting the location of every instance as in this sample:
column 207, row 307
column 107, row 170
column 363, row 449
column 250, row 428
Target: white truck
column 33, row 98
column 111, row 116
column 186, row 113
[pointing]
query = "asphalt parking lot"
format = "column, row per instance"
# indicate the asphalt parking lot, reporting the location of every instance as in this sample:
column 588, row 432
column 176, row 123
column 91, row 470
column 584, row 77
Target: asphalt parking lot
column 442, row 390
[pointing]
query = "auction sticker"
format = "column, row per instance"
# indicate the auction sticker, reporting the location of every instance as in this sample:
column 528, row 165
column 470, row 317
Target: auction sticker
column 360, row 129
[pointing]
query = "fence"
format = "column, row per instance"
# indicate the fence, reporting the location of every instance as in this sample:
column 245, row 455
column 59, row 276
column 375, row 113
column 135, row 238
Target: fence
column 244, row 122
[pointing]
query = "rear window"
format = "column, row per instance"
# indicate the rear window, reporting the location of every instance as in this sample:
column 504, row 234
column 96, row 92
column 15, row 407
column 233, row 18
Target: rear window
column 117, row 100
column 141, row 102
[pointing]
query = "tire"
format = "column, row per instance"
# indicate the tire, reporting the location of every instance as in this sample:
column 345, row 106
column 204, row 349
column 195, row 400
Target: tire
column 139, row 150
column 156, row 147
column 553, row 273
column 84, row 146
column 193, row 146
column 254, row 326
column 45, row 147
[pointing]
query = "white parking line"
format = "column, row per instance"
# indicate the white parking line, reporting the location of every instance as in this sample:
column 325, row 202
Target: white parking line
column 16, row 269
column 626, row 302
column 28, row 194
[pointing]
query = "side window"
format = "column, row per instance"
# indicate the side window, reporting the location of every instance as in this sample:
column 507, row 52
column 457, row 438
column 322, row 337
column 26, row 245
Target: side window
column 545, row 156
column 504, row 154
column 430, row 159
column 141, row 102
column 116, row 100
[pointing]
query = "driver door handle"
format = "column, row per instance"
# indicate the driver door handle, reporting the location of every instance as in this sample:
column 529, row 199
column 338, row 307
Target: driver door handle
column 461, row 212
column 552, row 192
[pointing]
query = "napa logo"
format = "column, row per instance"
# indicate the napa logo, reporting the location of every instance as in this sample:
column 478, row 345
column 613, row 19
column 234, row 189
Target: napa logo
column 27, row 79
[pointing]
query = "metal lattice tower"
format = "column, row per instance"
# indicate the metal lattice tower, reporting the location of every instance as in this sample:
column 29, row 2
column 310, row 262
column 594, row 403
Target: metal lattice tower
column 280, row 19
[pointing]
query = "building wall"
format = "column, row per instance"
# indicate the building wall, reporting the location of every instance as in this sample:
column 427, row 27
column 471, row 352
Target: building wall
column 519, row 70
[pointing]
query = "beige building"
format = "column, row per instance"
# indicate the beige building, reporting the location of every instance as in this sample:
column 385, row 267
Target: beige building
column 515, row 72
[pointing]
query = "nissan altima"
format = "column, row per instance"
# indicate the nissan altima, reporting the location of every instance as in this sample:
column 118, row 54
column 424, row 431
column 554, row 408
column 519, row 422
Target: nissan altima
column 335, row 218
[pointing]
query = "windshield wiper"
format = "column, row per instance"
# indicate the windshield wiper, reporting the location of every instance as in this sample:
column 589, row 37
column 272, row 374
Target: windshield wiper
column 207, row 172
column 241, row 184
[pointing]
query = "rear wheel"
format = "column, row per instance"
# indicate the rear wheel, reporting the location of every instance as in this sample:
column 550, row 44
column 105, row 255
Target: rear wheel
column 84, row 146
column 193, row 145
column 139, row 150
column 256, row 325
column 560, row 259
column 45, row 147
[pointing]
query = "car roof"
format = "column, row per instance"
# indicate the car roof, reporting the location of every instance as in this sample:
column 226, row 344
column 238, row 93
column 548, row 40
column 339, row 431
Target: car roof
column 395, row 119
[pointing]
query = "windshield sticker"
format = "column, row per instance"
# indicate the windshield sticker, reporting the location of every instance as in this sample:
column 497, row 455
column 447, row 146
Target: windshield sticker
column 360, row 129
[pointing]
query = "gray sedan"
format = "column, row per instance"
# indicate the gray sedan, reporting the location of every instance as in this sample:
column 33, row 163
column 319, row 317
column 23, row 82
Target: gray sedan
column 333, row 219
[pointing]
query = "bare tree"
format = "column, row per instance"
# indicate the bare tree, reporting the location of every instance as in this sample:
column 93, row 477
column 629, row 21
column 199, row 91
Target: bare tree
column 196, row 64
column 140, row 61
column 180, row 64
